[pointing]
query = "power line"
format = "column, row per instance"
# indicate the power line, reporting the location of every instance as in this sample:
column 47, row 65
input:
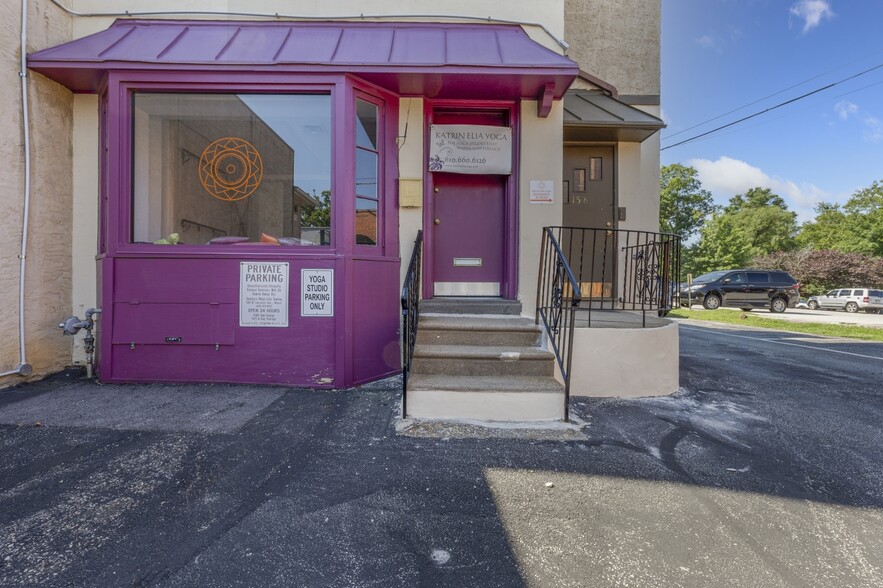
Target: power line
column 781, row 104
column 782, row 91
column 705, row 122
column 791, row 112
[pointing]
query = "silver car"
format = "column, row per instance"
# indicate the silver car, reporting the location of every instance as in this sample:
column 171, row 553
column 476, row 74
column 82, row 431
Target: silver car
column 849, row 299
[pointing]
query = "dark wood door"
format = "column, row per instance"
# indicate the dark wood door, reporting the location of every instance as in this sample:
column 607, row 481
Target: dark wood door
column 589, row 202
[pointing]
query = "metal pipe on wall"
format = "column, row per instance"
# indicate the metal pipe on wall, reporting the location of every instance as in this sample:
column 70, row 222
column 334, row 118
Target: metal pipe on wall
column 23, row 368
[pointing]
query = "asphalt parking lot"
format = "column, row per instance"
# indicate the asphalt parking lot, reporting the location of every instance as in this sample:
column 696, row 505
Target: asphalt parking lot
column 764, row 470
column 805, row 315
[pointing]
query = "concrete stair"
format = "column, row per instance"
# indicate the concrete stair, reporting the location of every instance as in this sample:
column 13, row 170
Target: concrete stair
column 490, row 367
column 468, row 305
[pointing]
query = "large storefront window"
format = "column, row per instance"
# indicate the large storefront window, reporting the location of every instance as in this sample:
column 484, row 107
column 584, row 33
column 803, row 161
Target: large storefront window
column 224, row 169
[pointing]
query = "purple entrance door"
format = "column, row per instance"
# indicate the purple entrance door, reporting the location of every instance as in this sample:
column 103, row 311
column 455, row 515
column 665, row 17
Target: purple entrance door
column 468, row 223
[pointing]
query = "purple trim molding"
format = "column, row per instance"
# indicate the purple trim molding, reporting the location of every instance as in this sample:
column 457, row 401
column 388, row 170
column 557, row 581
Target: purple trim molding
column 509, row 287
column 544, row 100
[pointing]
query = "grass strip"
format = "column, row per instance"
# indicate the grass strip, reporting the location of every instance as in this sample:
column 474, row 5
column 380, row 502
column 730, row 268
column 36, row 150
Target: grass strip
column 749, row 320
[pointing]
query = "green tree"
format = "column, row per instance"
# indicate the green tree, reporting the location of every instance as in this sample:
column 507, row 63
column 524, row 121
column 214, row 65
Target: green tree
column 855, row 227
column 751, row 225
column 683, row 203
column 865, row 213
column 828, row 230
column 319, row 215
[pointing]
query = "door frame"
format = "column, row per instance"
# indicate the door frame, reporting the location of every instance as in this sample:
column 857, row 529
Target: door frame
column 509, row 279
column 614, row 213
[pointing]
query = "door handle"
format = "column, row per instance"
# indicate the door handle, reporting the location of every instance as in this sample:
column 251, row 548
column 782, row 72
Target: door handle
column 437, row 221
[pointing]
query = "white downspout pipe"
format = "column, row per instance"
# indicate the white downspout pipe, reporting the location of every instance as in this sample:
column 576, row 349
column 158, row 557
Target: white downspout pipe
column 23, row 368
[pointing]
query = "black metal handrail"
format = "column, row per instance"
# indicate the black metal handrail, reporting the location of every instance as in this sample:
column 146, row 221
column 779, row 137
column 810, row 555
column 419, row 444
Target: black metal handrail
column 558, row 298
column 623, row 269
column 410, row 315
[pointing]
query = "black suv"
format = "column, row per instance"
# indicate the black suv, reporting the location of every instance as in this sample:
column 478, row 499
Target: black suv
column 745, row 289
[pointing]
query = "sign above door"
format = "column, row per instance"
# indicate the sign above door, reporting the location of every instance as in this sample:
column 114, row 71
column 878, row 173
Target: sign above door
column 470, row 149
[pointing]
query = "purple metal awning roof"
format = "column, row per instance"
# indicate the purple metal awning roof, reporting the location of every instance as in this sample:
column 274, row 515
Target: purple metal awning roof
column 413, row 59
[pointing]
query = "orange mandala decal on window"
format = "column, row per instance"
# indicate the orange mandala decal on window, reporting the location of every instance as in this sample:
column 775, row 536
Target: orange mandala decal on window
column 230, row 169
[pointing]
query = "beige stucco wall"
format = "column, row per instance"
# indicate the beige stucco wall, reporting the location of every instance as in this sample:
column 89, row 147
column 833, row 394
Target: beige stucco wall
column 625, row 363
column 638, row 181
column 410, row 169
column 542, row 158
column 84, row 229
column 48, row 281
column 617, row 41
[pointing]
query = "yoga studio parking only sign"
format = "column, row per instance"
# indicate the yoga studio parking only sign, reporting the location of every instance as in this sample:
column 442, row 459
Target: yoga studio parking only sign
column 317, row 292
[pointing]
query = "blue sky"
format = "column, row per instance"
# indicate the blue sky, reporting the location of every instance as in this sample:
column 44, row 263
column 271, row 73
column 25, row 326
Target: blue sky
column 721, row 55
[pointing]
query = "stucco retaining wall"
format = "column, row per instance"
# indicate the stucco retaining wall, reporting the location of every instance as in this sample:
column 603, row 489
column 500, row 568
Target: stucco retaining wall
column 625, row 363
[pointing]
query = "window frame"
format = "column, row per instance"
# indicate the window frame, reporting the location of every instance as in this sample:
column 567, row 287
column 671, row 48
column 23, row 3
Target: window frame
column 118, row 176
column 380, row 197
column 132, row 95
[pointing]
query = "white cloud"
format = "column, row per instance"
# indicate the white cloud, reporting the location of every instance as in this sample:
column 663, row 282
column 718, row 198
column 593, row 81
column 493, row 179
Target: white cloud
column 873, row 132
column 873, row 129
column 844, row 108
column 727, row 177
column 706, row 41
column 812, row 12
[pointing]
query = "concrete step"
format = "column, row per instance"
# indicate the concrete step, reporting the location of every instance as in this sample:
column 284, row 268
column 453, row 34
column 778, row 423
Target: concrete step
column 460, row 330
column 470, row 305
column 488, row 398
column 482, row 360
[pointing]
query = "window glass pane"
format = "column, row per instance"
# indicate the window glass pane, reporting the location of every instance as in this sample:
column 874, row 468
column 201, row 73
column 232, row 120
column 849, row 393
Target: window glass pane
column 366, row 173
column 366, row 221
column 737, row 278
column 758, row 278
column 595, row 169
column 228, row 168
column 366, row 125
column 579, row 180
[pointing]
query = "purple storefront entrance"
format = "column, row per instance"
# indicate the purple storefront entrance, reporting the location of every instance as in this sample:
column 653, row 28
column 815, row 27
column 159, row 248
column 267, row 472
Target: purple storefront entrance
column 219, row 139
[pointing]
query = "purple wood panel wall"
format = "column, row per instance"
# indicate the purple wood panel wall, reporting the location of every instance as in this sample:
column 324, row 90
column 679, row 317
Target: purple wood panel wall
column 375, row 338
column 171, row 313
column 196, row 300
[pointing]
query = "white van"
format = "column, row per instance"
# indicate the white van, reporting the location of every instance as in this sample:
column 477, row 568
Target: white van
column 850, row 300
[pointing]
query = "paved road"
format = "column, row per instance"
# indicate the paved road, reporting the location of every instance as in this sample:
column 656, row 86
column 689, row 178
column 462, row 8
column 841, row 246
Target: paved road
column 765, row 470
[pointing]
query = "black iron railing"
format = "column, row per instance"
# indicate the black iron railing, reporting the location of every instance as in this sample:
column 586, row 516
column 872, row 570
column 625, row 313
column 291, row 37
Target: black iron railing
column 619, row 269
column 558, row 298
column 410, row 315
